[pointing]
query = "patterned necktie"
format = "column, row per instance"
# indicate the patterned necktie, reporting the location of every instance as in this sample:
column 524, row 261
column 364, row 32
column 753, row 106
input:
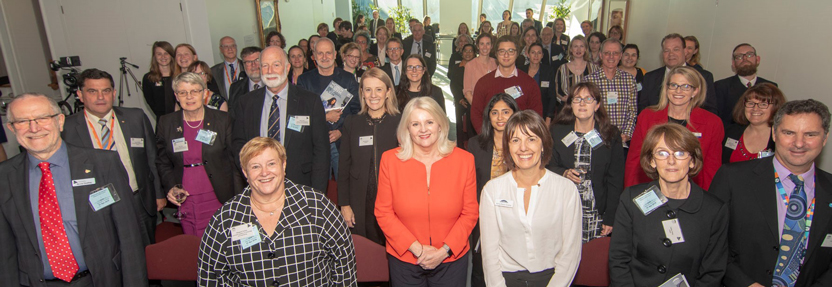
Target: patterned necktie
column 233, row 73
column 748, row 85
column 256, row 86
column 419, row 47
column 396, row 76
column 793, row 241
column 274, row 120
column 105, row 136
column 52, row 229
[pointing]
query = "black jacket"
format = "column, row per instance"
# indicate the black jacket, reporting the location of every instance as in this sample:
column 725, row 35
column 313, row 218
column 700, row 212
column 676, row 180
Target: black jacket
column 734, row 132
column 728, row 93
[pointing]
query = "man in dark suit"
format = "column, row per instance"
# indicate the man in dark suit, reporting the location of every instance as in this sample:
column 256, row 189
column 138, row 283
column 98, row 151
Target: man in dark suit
column 418, row 43
column 231, row 68
column 673, row 55
column 126, row 131
column 537, row 25
column 288, row 113
column 60, row 218
column 251, row 57
column 773, row 200
column 375, row 23
column 395, row 67
column 744, row 62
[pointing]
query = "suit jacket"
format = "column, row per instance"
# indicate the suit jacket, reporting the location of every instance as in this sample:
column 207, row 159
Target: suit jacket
column 753, row 234
column 374, row 24
column 653, row 83
column 307, row 151
column 218, row 71
column 546, row 82
column 428, row 51
column 134, row 124
column 728, row 93
column 638, row 256
column 388, row 68
column 237, row 90
column 218, row 158
column 734, row 131
column 110, row 238
column 606, row 168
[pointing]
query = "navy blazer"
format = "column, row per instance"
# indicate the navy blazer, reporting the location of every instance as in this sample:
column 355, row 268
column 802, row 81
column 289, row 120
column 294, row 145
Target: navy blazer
column 110, row 238
column 307, row 151
column 754, row 237
column 728, row 93
column 652, row 87
column 428, row 46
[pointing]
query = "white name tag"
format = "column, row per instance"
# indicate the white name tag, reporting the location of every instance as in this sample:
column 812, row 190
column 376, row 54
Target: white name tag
column 569, row 139
column 827, row 242
column 765, row 153
column 649, row 200
column 504, row 203
column 427, row 55
column 544, row 84
column 365, row 141
column 673, row 231
column 137, row 142
column 731, row 143
column 83, row 182
column 241, row 231
column 457, row 62
column 612, row 98
column 698, row 135
column 515, row 91
column 180, row 145
column 638, row 87
column 593, row 138
column 302, row 120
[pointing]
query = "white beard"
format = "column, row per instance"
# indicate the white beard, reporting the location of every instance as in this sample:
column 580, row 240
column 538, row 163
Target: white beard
column 273, row 83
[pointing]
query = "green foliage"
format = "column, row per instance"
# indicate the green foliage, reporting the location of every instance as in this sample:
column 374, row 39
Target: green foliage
column 562, row 9
column 401, row 15
column 367, row 11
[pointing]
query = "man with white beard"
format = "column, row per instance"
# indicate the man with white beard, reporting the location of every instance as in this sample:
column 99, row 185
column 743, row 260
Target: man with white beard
column 744, row 62
column 289, row 114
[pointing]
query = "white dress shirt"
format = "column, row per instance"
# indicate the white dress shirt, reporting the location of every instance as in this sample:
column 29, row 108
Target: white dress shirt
column 118, row 138
column 745, row 81
column 548, row 236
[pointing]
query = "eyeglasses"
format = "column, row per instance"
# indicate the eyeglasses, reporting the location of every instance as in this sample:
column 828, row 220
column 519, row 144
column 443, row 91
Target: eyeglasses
column 193, row 93
column 352, row 57
column 251, row 63
column 587, row 100
column 748, row 55
column 511, row 52
column 415, row 67
column 395, row 49
column 40, row 121
column 761, row 105
column 663, row 154
column 675, row 86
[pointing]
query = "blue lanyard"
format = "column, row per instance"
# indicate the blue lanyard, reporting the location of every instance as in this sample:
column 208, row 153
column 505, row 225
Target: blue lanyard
column 809, row 214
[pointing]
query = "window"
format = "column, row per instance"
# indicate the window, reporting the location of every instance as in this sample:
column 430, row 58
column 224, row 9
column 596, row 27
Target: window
column 519, row 11
column 493, row 10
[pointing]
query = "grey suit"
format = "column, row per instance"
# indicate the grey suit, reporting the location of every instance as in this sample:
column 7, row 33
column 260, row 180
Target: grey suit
column 218, row 71
column 134, row 124
column 110, row 237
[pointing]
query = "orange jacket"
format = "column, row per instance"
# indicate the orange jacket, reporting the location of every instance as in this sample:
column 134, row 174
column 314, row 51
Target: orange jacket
column 408, row 211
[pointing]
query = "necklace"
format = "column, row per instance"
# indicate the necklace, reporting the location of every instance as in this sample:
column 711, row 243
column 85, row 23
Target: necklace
column 271, row 213
column 193, row 127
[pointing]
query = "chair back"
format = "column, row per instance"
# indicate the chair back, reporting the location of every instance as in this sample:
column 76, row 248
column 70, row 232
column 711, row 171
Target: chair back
column 594, row 269
column 370, row 260
column 173, row 259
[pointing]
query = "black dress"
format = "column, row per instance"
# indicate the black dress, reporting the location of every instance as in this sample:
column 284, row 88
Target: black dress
column 159, row 95
column 435, row 94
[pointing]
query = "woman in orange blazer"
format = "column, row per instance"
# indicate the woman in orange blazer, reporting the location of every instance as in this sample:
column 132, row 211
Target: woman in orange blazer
column 427, row 200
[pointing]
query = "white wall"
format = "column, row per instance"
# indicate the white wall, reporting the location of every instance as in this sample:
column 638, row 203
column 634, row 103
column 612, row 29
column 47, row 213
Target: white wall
column 300, row 18
column 235, row 18
column 24, row 49
column 790, row 37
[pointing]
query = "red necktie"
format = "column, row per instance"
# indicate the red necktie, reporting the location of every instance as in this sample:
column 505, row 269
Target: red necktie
column 52, row 229
column 748, row 84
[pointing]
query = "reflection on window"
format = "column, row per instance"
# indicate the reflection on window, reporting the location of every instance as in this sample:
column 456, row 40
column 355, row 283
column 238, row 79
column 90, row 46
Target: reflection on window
column 416, row 9
column 493, row 10
column 519, row 11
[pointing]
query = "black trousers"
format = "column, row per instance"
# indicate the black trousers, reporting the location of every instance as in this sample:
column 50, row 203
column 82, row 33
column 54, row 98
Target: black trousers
column 452, row 274
column 527, row 279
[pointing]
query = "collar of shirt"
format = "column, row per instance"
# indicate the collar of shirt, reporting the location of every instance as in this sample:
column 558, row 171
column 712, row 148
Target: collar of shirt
column 236, row 66
column 604, row 74
column 59, row 158
column 94, row 119
column 497, row 73
column 745, row 81
column 283, row 94
column 788, row 185
column 252, row 83
column 667, row 69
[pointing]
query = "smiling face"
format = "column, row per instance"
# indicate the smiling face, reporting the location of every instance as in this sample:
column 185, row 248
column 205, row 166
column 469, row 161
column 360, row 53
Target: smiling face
column 506, row 54
column 273, row 68
column 610, row 55
column 352, row 59
column 757, row 115
column 323, row 31
column 499, row 115
column 362, row 42
column 484, row 46
column 535, row 54
column 578, row 49
column 275, row 41
column 525, row 149
column 161, row 56
column 381, row 36
column 423, row 129
column 671, row 170
column 374, row 92
column 415, row 70
column 394, row 51
column 486, row 27
column 530, row 36
column 190, row 96
column 690, row 50
column 629, row 58
column 184, row 57
column 198, row 70
column 594, row 44
column 468, row 53
column 265, row 172
column 296, row 58
column 98, row 96
column 673, row 54
column 390, row 24
column 546, row 35
column 745, row 66
column 560, row 26
column 798, row 140
column 585, row 110
column 39, row 139
column 586, row 28
column 515, row 30
column 252, row 66
column 325, row 54
column 228, row 47
column 678, row 97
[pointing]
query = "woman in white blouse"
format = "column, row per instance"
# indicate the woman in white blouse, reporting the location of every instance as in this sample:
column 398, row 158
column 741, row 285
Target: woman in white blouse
column 530, row 218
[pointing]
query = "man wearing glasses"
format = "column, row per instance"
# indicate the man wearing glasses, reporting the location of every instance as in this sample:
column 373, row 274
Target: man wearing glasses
column 395, row 68
column 744, row 62
column 128, row 132
column 251, row 62
column 66, row 212
column 505, row 79
column 618, row 89
column 230, row 70
column 418, row 43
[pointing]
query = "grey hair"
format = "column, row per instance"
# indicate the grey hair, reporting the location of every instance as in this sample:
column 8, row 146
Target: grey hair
column 323, row 39
column 52, row 104
column 364, row 34
column 190, row 78
column 470, row 40
column 809, row 106
column 611, row 40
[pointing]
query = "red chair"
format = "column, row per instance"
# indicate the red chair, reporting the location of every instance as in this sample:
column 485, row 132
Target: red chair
column 370, row 260
column 173, row 259
column 167, row 230
column 594, row 269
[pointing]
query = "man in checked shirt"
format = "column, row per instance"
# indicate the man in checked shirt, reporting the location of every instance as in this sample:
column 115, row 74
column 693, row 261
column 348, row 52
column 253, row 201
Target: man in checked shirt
column 618, row 89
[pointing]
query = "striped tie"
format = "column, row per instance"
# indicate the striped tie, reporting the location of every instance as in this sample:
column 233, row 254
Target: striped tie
column 105, row 135
column 274, row 120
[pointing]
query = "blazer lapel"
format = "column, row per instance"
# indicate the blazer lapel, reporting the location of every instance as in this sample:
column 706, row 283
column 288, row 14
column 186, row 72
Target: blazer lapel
column 179, row 132
column 126, row 132
column 292, row 106
column 766, row 188
column 80, row 168
column 19, row 180
column 823, row 211
column 83, row 131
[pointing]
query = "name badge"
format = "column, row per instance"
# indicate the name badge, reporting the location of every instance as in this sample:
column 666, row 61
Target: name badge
column 427, row 55
column 83, row 182
column 158, row 84
column 457, row 62
column 560, row 56
column 765, row 153
column 544, row 84
column 103, row 197
column 504, row 203
column 612, row 98
column 302, row 120
column 649, row 200
column 676, row 281
column 180, row 145
column 515, row 91
column 731, row 143
column 137, row 142
column 593, row 138
column 247, row 234
column 638, row 87
column 569, row 139
column 365, row 141
column 673, row 231
column 555, row 58
column 206, row 136
column 698, row 135
column 827, row 242
column 293, row 125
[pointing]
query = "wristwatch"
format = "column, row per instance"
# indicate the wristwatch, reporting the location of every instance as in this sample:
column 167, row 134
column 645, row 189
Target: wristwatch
column 448, row 249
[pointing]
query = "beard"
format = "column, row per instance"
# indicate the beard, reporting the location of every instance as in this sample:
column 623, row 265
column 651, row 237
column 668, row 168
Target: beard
column 747, row 70
column 273, row 83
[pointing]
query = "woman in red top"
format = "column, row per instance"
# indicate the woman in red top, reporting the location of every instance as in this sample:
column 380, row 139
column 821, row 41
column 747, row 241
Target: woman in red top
column 681, row 98
column 750, row 138
column 427, row 200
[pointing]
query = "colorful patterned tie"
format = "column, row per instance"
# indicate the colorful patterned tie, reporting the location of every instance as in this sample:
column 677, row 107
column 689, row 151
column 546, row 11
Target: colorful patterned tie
column 105, row 136
column 274, row 120
column 793, row 241
column 52, row 229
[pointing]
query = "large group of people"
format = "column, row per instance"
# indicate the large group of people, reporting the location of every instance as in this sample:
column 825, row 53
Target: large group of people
column 559, row 142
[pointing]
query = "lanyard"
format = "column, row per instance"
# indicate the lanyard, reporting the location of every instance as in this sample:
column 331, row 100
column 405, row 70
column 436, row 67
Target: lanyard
column 110, row 141
column 227, row 75
column 809, row 213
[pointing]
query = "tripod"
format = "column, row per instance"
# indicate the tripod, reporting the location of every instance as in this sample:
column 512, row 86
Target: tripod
column 122, row 79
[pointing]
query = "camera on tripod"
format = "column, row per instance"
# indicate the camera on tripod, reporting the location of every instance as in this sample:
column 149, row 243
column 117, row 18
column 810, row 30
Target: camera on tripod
column 70, row 78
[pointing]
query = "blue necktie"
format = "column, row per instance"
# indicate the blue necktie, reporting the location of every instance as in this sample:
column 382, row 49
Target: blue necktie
column 233, row 73
column 274, row 120
column 396, row 76
column 793, row 241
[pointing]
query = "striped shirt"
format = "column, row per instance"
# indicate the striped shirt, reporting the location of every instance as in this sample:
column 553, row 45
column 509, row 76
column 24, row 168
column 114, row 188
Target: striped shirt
column 619, row 98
